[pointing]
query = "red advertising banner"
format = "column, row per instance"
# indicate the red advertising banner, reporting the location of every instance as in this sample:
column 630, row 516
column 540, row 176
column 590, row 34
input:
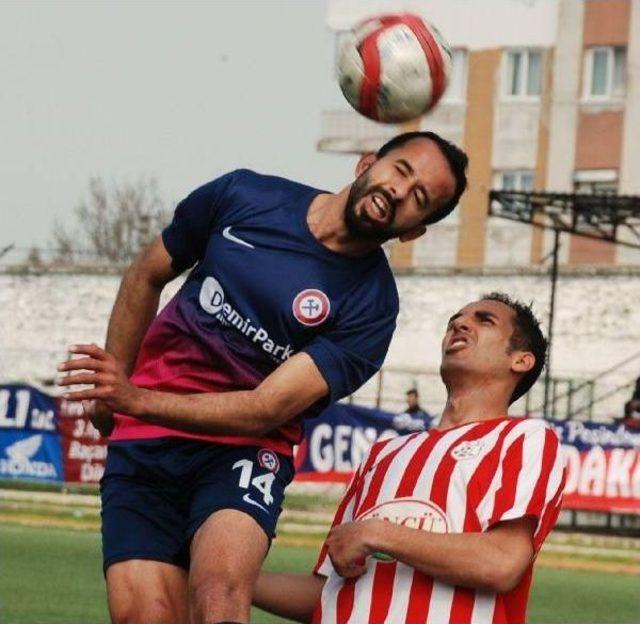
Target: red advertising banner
column 603, row 467
column 84, row 452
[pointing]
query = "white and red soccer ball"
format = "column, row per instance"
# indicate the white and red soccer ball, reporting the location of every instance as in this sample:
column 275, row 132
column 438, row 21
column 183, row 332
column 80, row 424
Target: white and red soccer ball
column 394, row 68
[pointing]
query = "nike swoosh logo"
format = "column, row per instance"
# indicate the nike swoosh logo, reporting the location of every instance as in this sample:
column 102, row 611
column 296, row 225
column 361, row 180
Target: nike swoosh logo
column 247, row 499
column 229, row 236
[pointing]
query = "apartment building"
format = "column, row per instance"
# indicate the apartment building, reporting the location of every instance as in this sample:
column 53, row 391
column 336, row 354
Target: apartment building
column 544, row 95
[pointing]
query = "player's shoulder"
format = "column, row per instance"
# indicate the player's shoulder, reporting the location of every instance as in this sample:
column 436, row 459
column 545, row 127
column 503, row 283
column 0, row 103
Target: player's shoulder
column 264, row 181
column 534, row 427
column 381, row 448
column 377, row 289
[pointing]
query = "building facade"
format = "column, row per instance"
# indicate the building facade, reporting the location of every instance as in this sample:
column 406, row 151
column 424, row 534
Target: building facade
column 544, row 95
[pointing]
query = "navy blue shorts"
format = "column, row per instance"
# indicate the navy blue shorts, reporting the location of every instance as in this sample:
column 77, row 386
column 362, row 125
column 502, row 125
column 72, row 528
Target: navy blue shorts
column 157, row 493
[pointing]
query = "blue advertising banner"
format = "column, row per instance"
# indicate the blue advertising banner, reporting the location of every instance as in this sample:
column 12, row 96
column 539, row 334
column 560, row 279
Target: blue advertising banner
column 602, row 460
column 336, row 441
column 29, row 442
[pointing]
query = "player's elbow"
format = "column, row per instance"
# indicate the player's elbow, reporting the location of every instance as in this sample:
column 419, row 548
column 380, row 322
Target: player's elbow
column 268, row 414
column 271, row 410
column 259, row 429
column 504, row 575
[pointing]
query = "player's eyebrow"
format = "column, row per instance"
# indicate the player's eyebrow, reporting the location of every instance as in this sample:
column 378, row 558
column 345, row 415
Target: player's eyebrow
column 406, row 164
column 485, row 314
column 481, row 314
column 409, row 170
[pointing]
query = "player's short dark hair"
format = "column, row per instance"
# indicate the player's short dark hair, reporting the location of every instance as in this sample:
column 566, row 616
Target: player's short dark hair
column 526, row 336
column 456, row 158
column 412, row 391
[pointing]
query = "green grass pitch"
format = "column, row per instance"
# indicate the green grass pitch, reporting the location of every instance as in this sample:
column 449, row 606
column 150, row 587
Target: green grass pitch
column 54, row 576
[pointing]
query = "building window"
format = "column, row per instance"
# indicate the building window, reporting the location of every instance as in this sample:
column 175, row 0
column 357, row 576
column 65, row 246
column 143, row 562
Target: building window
column 604, row 73
column 596, row 181
column 457, row 89
column 514, row 180
column 522, row 74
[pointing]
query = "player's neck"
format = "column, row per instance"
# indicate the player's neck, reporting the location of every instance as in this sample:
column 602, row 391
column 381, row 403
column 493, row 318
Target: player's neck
column 473, row 403
column 325, row 219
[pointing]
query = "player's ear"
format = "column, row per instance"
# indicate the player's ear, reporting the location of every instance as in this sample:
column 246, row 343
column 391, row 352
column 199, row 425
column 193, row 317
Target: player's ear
column 412, row 234
column 523, row 361
column 366, row 160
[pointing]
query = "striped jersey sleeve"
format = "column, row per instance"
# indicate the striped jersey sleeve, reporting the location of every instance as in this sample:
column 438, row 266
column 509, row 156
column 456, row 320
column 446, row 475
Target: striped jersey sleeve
column 529, row 480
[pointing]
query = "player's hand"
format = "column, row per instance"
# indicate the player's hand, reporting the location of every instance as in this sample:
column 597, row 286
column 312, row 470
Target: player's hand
column 100, row 415
column 349, row 545
column 107, row 376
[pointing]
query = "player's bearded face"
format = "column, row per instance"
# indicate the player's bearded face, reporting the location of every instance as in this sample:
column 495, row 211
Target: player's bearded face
column 362, row 196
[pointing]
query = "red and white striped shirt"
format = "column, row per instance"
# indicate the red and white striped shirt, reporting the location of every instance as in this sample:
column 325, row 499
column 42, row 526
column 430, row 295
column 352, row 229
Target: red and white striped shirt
column 464, row 479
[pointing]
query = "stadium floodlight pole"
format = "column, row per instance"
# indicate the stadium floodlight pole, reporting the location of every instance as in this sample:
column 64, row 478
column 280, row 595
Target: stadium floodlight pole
column 552, row 308
column 609, row 218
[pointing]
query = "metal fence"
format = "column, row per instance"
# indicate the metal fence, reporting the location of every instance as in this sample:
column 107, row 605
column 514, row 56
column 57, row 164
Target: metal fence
column 600, row 399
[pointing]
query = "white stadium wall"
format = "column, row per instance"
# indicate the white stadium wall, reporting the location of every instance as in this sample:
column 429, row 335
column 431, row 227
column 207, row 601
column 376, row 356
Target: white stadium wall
column 597, row 324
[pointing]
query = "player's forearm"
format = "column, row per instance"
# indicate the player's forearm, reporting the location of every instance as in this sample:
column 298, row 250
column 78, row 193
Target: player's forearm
column 224, row 413
column 135, row 307
column 292, row 596
column 476, row 560
column 287, row 392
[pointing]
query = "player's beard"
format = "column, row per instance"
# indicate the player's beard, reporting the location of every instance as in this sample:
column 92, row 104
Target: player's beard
column 359, row 225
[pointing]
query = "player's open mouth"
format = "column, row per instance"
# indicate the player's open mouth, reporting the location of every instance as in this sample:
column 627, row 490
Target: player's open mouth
column 457, row 343
column 378, row 209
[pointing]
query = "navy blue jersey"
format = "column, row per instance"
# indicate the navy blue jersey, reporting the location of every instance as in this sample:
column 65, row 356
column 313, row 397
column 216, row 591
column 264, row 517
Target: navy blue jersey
column 262, row 288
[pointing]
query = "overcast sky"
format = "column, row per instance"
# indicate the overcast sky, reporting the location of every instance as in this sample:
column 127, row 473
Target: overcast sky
column 181, row 91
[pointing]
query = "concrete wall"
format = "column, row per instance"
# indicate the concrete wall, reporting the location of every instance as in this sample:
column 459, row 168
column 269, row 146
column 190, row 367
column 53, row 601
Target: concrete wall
column 515, row 135
column 565, row 87
column 483, row 81
column 630, row 160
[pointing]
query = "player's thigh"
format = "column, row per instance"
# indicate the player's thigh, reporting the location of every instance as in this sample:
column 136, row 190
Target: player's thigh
column 227, row 552
column 145, row 508
column 235, row 506
column 147, row 592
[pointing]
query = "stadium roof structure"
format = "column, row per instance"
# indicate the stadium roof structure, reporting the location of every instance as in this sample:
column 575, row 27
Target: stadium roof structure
column 613, row 218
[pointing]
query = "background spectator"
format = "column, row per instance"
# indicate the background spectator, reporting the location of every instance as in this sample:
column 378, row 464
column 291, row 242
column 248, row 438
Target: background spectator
column 413, row 417
column 632, row 408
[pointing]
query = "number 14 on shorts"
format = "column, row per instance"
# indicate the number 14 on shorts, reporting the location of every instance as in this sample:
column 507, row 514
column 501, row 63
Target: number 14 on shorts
column 262, row 482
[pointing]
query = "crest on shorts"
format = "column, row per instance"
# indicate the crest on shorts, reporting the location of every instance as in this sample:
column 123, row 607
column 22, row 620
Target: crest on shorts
column 311, row 307
column 269, row 460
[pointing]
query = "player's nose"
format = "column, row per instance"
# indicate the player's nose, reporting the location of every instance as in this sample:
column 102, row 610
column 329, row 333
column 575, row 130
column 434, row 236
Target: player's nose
column 462, row 323
column 404, row 188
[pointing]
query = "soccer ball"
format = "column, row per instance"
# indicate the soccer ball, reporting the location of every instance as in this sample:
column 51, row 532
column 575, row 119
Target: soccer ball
column 393, row 68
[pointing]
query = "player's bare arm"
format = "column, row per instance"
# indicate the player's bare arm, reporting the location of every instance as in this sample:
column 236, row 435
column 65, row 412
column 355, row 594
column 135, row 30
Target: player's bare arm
column 137, row 301
column 292, row 596
column 135, row 307
column 491, row 561
column 285, row 393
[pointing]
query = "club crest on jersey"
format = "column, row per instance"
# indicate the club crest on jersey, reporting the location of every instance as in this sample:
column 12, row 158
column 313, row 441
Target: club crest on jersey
column 311, row 307
column 269, row 460
column 467, row 450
